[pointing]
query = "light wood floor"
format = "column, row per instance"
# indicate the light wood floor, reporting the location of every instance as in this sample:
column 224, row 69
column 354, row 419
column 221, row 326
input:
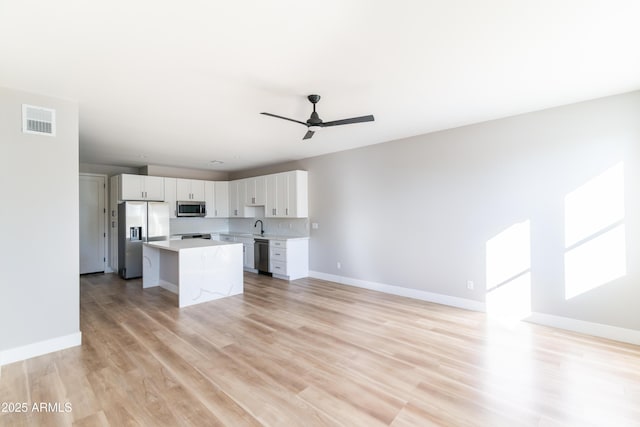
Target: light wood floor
column 312, row 353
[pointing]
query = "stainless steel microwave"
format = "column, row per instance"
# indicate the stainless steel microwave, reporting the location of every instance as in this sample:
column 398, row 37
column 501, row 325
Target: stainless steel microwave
column 191, row 209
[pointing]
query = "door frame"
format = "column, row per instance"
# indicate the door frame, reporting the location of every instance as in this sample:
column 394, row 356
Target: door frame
column 105, row 178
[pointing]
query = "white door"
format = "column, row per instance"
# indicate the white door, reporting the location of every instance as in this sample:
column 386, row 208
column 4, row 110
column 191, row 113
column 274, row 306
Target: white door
column 92, row 223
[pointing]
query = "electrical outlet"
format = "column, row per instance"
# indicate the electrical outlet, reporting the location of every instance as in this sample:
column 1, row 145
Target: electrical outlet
column 314, row 225
column 339, row 265
column 470, row 285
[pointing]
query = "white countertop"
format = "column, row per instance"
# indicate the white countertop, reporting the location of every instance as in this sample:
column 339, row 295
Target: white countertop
column 178, row 245
column 258, row 236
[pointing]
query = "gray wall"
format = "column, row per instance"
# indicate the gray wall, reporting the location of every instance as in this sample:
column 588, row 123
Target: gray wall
column 207, row 175
column 420, row 213
column 39, row 289
column 108, row 170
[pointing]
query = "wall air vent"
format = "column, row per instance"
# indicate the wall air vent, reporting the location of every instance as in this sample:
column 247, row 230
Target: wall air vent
column 38, row 120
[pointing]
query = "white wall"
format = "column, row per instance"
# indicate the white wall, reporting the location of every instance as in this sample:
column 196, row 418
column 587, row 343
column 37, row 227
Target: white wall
column 39, row 259
column 419, row 214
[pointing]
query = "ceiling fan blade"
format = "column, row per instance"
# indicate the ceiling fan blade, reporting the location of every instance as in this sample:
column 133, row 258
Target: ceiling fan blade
column 308, row 135
column 284, row 118
column 348, row 121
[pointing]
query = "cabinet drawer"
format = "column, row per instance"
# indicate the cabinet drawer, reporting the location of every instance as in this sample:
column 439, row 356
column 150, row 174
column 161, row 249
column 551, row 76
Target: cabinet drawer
column 278, row 243
column 278, row 267
column 278, row 254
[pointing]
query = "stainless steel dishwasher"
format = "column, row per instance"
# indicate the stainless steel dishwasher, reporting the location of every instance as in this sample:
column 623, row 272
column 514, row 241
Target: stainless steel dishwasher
column 261, row 255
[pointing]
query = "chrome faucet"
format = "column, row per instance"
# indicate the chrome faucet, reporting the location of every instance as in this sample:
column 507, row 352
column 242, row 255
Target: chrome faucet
column 261, row 225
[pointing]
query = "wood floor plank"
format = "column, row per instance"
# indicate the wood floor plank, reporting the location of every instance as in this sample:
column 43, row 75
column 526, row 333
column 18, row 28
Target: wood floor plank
column 315, row 353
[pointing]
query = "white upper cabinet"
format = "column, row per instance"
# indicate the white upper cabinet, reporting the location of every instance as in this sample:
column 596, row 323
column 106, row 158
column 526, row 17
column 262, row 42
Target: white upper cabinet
column 217, row 198
column 237, row 198
column 256, row 191
column 287, row 195
column 170, row 195
column 222, row 199
column 277, row 193
column 190, row 190
column 141, row 187
column 283, row 195
column 298, row 199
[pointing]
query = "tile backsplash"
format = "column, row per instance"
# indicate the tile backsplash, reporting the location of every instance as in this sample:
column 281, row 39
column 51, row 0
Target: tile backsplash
column 198, row 225
column 278, row 226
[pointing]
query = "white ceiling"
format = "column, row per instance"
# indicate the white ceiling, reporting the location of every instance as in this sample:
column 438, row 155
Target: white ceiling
column 181, row 83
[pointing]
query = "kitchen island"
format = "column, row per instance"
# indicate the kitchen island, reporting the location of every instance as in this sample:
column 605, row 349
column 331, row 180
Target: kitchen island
column 197, row 270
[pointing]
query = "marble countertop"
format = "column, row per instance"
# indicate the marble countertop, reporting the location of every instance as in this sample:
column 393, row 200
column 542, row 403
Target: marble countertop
column 178, row 245
column 266, row 236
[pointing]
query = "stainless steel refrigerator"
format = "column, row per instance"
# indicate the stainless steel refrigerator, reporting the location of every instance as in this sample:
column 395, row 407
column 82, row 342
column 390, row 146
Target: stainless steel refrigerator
column 139, row 222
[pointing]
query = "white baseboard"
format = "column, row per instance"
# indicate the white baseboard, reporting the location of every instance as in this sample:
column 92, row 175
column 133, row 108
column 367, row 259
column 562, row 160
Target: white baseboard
column 171, row 287
column 467, row 304
column 39, row 348
column 630, row 336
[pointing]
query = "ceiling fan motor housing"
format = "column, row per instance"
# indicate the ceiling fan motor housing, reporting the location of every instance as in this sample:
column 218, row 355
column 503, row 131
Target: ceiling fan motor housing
column 314, row 119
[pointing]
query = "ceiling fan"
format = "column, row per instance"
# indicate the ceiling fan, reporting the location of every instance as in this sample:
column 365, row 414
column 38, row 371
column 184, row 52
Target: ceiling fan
column 315, row 122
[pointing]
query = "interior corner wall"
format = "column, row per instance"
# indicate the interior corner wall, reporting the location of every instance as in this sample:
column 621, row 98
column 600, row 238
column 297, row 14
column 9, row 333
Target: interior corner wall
column 418, row 214
column 39, row 259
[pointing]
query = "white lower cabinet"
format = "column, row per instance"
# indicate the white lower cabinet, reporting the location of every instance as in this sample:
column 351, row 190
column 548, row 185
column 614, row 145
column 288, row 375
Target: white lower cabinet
column 247, row 249
column 289, row 259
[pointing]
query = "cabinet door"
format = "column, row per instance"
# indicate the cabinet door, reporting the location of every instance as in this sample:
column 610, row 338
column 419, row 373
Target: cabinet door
column 276, row 195
column 250, row 194
column 197, row 190
column 271, row 193
column 248, row 256
column 260, row 190
column 297, row 199
column 255, row 191
column 170, row 195
column 221, row 199
column 233, row 199
column 183, row 189
column 282, row 195
column 242, row 195
column 131, row 187
column 154, row 188
column 210, row 198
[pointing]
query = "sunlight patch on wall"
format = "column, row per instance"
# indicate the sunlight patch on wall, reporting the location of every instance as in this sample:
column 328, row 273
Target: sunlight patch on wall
column 508, row 262
column 595, row 262
column 595, row 242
